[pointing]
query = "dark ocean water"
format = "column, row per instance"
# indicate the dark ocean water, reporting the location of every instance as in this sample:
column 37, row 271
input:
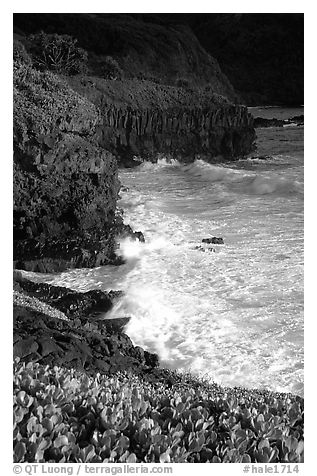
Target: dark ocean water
column 236, row 313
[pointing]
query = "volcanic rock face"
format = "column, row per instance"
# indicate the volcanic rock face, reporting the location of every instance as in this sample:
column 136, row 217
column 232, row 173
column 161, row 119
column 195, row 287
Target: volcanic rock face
column 66, row 147
column 65, row 185
column 82, row 339
column 273, row 122
column 142, row 119
column 183, row 134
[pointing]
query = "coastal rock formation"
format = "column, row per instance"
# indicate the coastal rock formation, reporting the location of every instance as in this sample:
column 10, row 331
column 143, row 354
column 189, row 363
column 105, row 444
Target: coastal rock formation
column 214, row 240
column 273, row 122
column 82, row 339
column 183, row 134
column 65, row 184
column 70, row 134
column 141, row 119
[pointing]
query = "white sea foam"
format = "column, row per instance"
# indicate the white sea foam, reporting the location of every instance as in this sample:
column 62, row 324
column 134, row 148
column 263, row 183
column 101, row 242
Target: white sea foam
column 162, row 162
column 235, row 314
column 243, row 180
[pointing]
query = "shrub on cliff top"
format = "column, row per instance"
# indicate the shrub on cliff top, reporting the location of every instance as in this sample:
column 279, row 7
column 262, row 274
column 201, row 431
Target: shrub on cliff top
column 182, row 83
column 111, row 68
column 20, row 54
column 58, row 53
column 65, row 416
column 43, row 100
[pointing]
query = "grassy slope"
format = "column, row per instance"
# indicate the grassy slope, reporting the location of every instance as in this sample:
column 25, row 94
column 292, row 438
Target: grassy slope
column 138, row 94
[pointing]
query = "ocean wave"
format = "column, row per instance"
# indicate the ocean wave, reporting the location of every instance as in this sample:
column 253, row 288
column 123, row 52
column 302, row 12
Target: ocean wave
column 162, row 162
column 241, row 180
column 260, row 185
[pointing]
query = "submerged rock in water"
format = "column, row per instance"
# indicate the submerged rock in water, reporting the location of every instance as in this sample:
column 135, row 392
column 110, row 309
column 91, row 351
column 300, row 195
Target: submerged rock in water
column 125, row 231
column 299, row 120
column 264, row 122
column 139, row 235
column 203, row 249
column 260, row 157
column 273, row 122
column 214, row 240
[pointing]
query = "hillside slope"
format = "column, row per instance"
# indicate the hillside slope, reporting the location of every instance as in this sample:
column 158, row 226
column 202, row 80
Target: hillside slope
column 165, row 54
column 262, row 54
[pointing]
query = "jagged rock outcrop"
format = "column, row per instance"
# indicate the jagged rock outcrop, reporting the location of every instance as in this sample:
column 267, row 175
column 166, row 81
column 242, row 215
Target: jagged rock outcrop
column 79, row 340
column 142, row 119
column 273, row 122
column 65, row 184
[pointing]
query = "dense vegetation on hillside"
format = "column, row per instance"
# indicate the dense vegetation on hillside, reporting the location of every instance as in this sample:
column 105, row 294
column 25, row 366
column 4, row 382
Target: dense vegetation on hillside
column 164, row 54
column 261, row 54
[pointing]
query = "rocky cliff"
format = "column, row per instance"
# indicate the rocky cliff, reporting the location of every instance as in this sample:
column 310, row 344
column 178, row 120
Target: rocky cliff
column 145, row 120
column 65, row 184
column 262, row 54
column 71, row 132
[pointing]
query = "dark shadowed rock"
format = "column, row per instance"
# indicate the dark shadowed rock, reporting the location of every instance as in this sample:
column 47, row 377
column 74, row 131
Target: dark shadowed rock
column 203, row 249
column 72, row 303
column 65, row 184
column 152, row 360
column 273, row 122
column 299, row 120
column 264, row 122
column 86, row 341
column 116, row 325
column 25, row 347
column 214, row 240
column 168, row 121
column 139, row 235
column 57, row 342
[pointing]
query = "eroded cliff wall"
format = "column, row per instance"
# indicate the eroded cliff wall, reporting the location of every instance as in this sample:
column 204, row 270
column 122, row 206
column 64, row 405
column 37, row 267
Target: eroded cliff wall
column 142, row 119
column 65, row 184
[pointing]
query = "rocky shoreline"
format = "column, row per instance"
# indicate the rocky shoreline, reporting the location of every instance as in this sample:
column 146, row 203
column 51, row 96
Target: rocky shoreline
column 68, row 146
column 84, row 393
column 57, row 326
column 273, row 122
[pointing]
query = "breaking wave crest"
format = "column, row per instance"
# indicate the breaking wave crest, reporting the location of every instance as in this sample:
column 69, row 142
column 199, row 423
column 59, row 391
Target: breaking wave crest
column 237, row 180
column 258, row 183
column 163, row 162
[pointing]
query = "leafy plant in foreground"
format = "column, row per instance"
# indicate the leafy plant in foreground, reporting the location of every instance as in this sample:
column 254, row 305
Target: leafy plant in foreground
column 65, row 416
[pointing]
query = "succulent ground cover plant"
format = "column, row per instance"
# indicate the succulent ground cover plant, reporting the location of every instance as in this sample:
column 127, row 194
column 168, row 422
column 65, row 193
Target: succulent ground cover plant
column 62, row 415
